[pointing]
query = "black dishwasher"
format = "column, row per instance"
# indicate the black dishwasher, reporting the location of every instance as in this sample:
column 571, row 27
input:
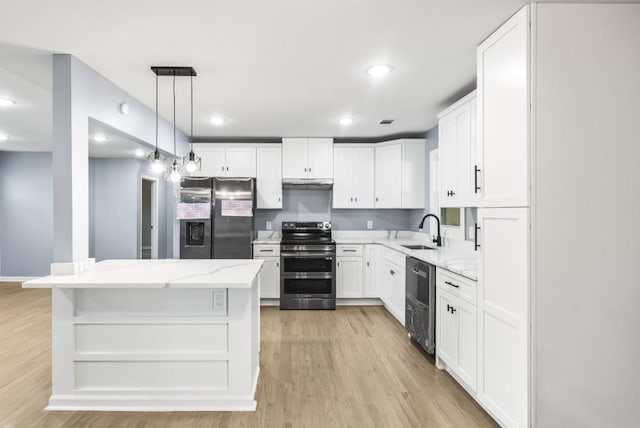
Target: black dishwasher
column 420, row 312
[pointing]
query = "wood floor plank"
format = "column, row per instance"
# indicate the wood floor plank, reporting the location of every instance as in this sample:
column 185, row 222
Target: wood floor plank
column 353, row 367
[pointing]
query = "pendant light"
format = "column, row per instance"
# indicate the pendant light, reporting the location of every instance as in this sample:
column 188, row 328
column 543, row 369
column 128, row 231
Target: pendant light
column 192, row 162
column 156, row 161
column 175, row 171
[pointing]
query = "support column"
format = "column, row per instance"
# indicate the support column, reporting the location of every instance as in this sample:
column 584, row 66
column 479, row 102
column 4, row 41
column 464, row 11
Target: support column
column 70, row 171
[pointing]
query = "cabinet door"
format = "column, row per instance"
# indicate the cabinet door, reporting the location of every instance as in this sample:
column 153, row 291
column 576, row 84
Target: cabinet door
column 363, row 177
column 241, row 162
column 269, row 177
column 400, row 293
column 503, row 290
column 503, row 114
column 320, row 158
column 413, row 174
column 446, row 329
column 388, row 176
column 467, row 361
column 294, row 158
column 447, row 165
column 343, row 193
column 270, row 278
column 349, row 277
column 371, row 271
column 213, row 160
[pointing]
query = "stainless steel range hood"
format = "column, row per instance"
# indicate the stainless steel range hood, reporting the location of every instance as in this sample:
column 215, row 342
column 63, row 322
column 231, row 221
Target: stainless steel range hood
column 307, row 183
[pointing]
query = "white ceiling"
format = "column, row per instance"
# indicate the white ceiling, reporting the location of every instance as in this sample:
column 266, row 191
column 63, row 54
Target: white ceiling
column 277, row 68
column 116, row 145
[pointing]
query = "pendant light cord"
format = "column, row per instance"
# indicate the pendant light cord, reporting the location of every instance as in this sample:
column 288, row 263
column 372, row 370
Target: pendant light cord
column 192, row 112
column 174, row 116
column 156, row 112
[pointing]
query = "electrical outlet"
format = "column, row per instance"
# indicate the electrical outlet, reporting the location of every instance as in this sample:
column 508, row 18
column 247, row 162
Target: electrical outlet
column 268, row 225
column 369, row 224
column 219, row 302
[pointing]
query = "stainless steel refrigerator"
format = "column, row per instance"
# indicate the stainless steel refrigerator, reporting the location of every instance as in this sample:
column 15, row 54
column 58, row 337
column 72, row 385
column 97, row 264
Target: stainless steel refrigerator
column 221, row 226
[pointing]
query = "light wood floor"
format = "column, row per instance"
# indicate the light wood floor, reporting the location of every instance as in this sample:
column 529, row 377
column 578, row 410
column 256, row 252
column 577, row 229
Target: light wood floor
column 353, row 367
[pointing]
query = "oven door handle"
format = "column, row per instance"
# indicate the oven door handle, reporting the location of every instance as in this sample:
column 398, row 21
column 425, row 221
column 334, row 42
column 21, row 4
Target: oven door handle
column 307, row 256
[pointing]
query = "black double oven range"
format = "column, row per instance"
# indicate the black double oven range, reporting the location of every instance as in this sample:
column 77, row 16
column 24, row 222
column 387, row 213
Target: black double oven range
column 307, row 266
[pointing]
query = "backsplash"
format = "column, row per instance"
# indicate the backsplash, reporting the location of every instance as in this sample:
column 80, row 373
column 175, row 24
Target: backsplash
column 312, row 205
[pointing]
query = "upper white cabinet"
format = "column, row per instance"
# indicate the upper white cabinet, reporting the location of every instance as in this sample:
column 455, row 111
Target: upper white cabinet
column 353, row 177
column 457, row 139
column 307, row 158
column 269, row 176
column 226, row 160
column 400, row 174
column 503, row 115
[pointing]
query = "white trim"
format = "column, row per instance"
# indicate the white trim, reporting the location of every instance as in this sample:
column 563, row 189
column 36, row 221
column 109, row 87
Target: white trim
column 154, row 217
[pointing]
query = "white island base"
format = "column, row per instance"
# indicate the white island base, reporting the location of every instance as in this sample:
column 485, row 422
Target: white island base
column 156, row 335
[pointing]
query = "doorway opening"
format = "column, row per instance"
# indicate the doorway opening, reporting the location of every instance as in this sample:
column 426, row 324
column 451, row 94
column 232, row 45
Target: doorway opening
column 148, row 219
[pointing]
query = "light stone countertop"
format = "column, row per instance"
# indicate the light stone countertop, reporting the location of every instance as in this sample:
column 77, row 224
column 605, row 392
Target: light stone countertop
column 457, row 257
column 166, row 273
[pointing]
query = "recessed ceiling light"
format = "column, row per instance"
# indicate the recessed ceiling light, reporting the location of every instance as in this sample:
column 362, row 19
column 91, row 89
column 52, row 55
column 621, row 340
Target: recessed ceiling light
column 4, row 137
column 345, row 121
column 5, row 102
column 99, row 138
column 379, row 70
column 217, row 121
column 139, row 153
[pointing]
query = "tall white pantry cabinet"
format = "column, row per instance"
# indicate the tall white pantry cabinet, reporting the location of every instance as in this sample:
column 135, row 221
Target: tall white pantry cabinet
column 557, row 151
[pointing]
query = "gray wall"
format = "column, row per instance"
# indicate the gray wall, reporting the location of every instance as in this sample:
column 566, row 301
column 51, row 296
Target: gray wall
column 416, row 215
column 26, row 213
column 310, row 205
column 115, row 215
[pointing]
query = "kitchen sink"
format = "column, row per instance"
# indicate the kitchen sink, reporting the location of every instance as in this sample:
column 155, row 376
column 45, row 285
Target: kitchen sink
column 417, row 247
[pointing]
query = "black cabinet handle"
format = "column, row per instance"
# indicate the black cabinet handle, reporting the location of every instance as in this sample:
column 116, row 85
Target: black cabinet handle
column 452, row 284
column 392, row 272
column 476, row 228
column 448, row 308
column 475, row 178
column 453, row 310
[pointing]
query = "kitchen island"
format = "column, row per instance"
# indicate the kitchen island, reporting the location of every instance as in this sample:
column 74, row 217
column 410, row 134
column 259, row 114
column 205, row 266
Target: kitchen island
column 155, row 335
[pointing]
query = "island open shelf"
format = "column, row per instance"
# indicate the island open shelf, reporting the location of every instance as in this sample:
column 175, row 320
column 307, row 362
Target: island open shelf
column 156, row 335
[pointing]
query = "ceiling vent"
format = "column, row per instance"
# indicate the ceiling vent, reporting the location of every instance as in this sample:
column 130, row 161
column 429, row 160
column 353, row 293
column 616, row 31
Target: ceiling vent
column 386, row 121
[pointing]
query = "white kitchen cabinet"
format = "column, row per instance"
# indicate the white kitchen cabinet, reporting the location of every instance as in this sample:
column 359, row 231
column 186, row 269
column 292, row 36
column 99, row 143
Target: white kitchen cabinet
column 307, row 158
column 353, row 180
column 413, row 174
column 503, row 311
column 457, row 129
column 392, row 283
column 226, row 160
column 270, row 272
column 269, row 177
column 504, row 114
column 349, row 277
column 388, row 176
column 400, row 174
column 457, row 327
column 372, row 258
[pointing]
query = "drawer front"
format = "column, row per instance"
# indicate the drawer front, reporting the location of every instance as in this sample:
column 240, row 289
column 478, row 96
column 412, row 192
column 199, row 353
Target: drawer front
column 457, row 285
column 266, row 250
column 349, row 250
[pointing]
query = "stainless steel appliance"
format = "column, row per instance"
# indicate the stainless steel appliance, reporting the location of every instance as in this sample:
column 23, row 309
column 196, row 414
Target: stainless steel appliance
column 420, row 313
column 195, row 222
column 307, row 266
column 228, row 231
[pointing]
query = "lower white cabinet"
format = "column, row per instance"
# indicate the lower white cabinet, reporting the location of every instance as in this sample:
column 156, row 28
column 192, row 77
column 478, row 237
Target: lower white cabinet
column 270, row 272
column 457, row 327
column 349, row 271
column 392, row 283
column 370, row 283
column 349, row 277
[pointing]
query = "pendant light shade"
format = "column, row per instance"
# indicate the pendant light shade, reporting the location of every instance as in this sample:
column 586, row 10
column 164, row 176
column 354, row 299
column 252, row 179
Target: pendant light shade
column 192, row 162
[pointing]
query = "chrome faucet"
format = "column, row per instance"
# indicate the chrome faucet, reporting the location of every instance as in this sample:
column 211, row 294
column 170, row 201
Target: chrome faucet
column 438, row 240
